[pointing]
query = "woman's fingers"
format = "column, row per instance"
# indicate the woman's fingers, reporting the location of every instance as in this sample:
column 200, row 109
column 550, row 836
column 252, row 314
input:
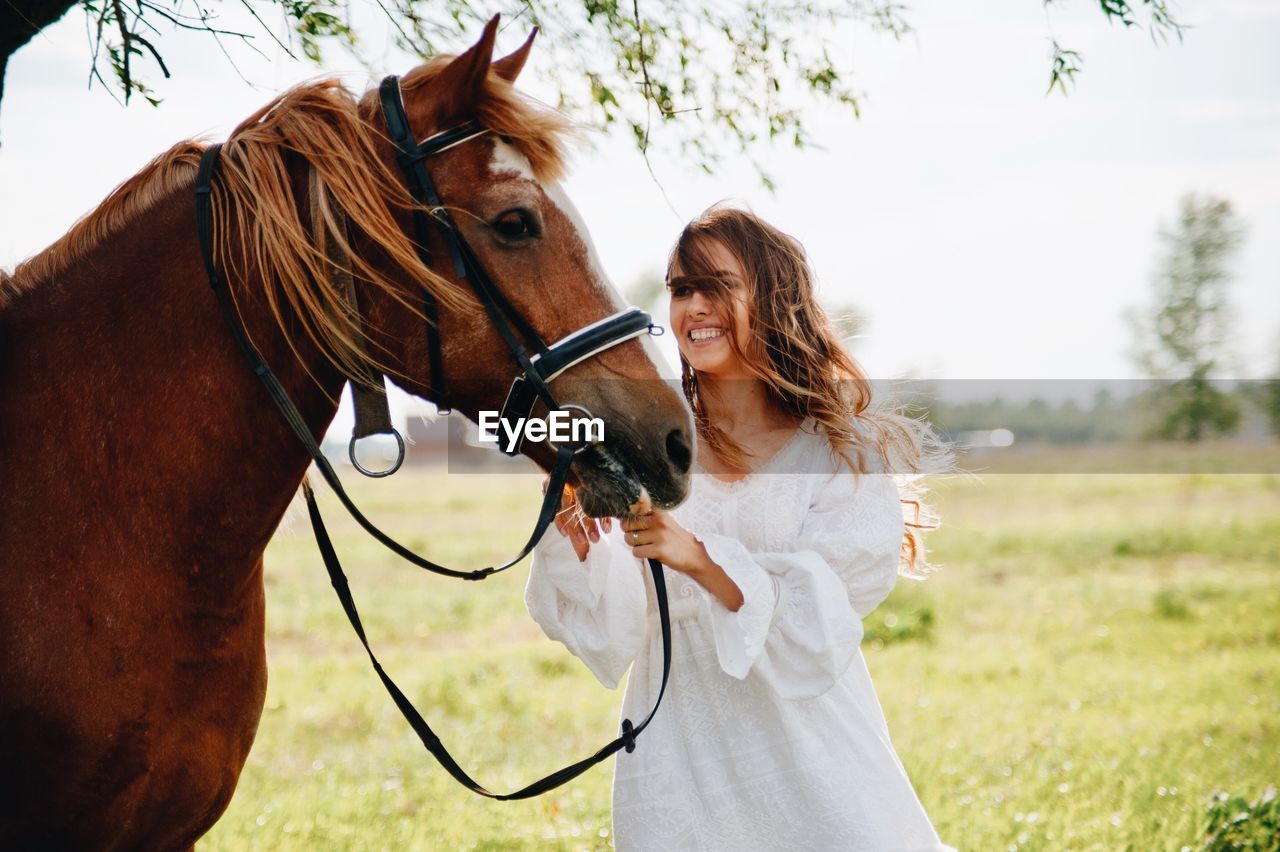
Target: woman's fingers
column 581, row 546
column 641, row 523
column 638, row 527
column 568, row 516
column 645, row 551
column 571, row 523
column 643, row 504
column 564, row 518
column 637, row 538
column 577, row 530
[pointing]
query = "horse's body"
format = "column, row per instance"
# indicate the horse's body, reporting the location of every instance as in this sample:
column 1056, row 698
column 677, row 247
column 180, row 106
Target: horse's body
column 145, row 472
column 132, row 627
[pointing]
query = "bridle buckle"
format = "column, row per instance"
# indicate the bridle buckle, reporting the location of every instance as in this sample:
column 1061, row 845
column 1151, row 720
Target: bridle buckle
column 587, row 415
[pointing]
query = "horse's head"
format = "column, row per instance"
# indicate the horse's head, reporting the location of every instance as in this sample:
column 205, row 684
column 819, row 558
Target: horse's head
column 501, row 191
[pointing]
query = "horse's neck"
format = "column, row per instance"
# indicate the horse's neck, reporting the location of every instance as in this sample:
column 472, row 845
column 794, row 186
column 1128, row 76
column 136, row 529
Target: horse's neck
column 168, row 435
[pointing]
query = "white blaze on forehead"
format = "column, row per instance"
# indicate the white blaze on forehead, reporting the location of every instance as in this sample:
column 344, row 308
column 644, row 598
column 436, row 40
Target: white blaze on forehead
column 508, row 160
column 557, row 195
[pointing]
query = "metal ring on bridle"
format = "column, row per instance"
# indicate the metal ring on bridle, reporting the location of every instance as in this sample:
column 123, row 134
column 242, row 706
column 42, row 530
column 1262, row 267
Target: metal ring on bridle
column 376, row 474
column 537, row 370
column 587, row 414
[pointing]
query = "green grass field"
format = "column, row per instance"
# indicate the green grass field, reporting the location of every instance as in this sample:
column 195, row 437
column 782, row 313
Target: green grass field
column 1098, row 655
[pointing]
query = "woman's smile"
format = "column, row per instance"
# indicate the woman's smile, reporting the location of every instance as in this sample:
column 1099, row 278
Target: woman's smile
column 705, row 335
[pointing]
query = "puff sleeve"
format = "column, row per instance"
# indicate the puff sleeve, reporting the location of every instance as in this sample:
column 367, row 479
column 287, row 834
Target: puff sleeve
column 596, row 608
column 801, row 620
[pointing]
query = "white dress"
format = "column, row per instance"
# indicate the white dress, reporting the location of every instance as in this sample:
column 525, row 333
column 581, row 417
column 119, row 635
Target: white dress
column 770, row 736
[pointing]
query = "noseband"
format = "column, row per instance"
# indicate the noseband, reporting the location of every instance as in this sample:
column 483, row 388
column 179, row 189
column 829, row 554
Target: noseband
column 538, row 364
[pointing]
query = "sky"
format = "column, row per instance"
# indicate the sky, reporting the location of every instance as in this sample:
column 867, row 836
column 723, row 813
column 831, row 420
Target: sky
column 984, row 229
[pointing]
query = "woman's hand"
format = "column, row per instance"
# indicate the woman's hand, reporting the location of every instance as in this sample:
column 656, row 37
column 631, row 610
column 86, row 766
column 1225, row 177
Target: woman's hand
column 654, row 534
column 577, row 527
column 657, row 535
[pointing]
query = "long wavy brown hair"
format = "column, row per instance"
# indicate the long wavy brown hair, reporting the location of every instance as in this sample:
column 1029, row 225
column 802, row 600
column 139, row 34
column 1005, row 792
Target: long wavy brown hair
column 795, row 351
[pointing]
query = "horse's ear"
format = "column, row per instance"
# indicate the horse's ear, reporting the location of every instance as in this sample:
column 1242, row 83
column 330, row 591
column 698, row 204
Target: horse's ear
column 509, row 67
column 463, row 78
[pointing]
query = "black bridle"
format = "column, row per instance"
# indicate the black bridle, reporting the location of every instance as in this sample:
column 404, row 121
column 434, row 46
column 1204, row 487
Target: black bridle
column 545, row 362
column 537, row 368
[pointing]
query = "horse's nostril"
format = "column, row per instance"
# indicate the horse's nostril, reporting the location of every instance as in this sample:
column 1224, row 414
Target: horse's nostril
column 679, row 451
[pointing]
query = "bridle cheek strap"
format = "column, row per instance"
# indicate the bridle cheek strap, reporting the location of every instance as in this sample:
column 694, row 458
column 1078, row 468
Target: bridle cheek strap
column 368, row 386
column 537, row 370
column 297, row 423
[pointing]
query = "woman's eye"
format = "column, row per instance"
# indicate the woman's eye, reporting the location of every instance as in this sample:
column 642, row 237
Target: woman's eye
column 516, row 225
column 681, row 292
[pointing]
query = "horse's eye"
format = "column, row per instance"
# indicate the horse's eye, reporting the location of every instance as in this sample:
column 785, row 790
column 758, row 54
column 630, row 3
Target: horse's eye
column 516, row 225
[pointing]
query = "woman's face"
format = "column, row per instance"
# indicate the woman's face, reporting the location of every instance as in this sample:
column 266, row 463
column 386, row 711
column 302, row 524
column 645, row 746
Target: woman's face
column 701, row 333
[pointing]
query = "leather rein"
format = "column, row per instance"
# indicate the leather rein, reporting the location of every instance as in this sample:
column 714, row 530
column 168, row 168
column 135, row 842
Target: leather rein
column 537, row 368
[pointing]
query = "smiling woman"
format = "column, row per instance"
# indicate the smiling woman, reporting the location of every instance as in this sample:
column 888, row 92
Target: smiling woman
column 710, row 345
column 793, row 532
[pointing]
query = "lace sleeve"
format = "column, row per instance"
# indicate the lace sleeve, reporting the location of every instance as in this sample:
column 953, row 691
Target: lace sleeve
column 801, row 620
column 596, row 608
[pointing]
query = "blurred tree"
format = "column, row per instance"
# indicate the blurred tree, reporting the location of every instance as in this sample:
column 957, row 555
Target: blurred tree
column 1266, row 396
column 718, row 77
column 1068, row 422
column 1181, row 341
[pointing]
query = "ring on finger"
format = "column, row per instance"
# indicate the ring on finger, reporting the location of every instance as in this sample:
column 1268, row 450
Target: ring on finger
column 635, row 536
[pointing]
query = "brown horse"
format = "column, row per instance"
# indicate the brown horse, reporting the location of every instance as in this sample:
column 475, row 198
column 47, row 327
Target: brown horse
column 146, row 468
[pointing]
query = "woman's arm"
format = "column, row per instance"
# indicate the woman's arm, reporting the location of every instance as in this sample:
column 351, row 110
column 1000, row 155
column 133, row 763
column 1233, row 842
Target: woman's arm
column 575, row 526
column 588, row 595
column 797, row 622
column 658, row 535
column 713, row 578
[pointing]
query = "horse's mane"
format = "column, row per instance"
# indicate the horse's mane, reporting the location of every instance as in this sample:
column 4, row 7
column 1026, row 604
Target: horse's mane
column 172, row 169
column 256, row 217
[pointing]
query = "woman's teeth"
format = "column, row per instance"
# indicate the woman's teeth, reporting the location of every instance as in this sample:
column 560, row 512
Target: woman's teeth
column 705, row 333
